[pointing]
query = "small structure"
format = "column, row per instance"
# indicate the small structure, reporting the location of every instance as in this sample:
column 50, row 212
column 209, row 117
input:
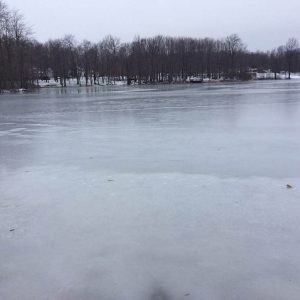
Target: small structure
column 258, row 74
column 196, row 80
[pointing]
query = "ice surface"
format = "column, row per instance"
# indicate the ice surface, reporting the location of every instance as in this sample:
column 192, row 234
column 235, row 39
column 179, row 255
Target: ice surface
column 151, row 193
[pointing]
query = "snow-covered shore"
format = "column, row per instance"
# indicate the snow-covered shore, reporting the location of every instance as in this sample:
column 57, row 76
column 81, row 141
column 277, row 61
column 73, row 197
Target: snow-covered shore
column 51, row 83
column 73, row 82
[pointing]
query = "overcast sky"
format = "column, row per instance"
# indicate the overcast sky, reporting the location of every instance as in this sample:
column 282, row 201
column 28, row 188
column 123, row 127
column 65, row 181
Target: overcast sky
column 262, row 24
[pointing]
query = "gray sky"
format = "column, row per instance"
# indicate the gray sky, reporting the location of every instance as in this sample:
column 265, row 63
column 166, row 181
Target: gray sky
column 262, row 24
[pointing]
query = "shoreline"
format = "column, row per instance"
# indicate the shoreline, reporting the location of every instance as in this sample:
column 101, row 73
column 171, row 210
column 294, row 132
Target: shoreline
column 123, row 84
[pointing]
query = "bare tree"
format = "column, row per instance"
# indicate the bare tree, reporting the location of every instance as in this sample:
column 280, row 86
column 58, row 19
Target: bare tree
column 291, row 53
column 234, row 45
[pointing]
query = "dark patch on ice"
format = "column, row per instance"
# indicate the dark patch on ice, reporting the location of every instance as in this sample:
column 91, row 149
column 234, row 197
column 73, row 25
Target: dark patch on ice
column 159, row 294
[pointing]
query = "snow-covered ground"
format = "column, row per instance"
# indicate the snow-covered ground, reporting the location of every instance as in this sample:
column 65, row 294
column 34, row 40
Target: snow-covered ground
column 73, row 82
column 135, row 193
column 295, row 76
column 283, row 75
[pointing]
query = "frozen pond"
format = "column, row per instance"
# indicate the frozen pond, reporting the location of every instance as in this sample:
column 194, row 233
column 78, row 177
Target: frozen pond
column 156, row 193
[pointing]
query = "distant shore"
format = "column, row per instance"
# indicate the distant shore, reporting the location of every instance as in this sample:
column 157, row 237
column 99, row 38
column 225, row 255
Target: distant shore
column 72, row 83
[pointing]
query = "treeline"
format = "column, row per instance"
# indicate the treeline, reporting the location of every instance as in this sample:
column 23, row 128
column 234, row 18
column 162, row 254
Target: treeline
column 24, row 61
